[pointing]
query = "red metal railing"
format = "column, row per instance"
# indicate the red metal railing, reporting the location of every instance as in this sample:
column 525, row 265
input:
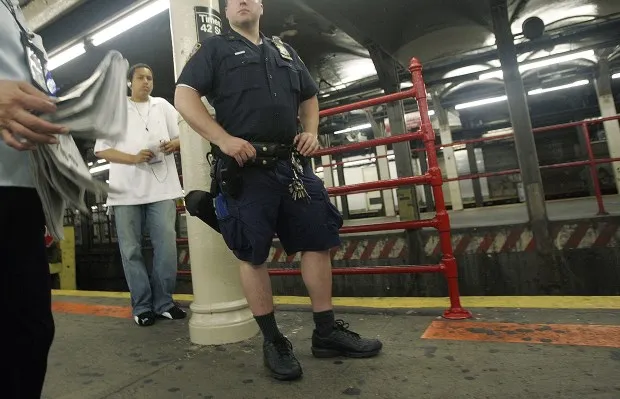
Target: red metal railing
column 591, row 162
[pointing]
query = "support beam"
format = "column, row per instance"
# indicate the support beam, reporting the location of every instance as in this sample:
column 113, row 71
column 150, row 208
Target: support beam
column 40, row 13
column 383, row 166
column 608, row 108
column 344, row 199
column 408, row 209
column 456, row 200
column 522, row 126
column 473, row 170
column 220, row 312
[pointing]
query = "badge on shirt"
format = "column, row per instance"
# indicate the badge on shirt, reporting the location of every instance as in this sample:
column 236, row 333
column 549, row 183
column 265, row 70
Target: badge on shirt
column 283, row 51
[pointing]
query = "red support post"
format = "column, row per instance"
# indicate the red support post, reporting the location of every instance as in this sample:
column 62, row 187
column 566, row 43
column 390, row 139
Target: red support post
column 450, row 270
column 593, row 173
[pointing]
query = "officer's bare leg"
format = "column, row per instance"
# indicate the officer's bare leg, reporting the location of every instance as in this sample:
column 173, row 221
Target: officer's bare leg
column 277, row 350
column 330, row 338
column 316, row 270
column 257, row 288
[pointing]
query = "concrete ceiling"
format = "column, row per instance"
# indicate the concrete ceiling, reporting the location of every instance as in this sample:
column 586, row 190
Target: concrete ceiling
column 333, row 37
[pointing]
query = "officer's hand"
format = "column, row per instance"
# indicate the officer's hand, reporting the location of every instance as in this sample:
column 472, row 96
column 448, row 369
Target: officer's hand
column 239, row 149
column 143, row 156
column 19, row 128
column 307, row 143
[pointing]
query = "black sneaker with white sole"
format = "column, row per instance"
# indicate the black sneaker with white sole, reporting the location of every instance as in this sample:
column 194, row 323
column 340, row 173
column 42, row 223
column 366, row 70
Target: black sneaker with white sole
column 344, row 342
column 145, row 319
column 174, row 313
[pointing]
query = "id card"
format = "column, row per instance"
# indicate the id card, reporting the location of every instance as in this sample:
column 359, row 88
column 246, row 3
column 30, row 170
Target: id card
column 37, row 65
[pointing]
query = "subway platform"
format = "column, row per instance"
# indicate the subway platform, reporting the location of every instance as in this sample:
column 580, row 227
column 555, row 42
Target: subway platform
column 514, row 347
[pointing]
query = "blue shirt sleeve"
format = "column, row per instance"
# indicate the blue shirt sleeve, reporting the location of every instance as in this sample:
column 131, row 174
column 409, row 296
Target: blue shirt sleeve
column 198, row 73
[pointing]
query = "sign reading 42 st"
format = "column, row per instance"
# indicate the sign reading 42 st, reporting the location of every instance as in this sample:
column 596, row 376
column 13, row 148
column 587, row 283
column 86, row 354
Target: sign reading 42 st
column 208, row 22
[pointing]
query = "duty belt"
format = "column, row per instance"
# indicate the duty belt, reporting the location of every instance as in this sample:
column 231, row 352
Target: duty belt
column 267, row 155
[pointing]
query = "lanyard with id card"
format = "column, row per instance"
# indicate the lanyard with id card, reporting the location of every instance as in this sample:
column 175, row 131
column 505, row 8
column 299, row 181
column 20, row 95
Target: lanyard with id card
column 35, row 57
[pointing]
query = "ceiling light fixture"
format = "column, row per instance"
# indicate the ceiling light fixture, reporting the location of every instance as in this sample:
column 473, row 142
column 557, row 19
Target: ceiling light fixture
column 129, row 21
column 540, row 64
column 65, row 56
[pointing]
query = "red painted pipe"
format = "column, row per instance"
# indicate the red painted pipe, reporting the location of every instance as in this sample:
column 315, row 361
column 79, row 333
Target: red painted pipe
column 368, row 144
column 354, row 270
column 378, row 185
column 366, row 270
column 368, row 103
column 406, row 225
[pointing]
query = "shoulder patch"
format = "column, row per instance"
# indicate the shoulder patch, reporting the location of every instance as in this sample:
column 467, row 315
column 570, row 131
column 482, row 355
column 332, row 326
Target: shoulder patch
column 194, row 50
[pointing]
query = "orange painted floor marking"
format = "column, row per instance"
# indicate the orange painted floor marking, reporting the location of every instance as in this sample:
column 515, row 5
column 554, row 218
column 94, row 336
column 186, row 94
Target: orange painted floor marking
column 557, row 334
column 92, row 310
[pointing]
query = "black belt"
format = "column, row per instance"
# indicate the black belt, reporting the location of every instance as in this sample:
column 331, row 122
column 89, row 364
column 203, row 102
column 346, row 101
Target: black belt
column 267, row 154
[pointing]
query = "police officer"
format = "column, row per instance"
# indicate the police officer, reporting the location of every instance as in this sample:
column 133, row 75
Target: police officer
column 258, row 87
column 25, row 284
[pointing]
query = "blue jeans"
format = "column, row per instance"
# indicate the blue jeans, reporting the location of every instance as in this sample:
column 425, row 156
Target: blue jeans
column 154, row 292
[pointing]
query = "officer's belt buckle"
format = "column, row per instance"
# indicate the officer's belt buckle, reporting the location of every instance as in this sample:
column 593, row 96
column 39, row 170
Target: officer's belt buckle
column 272, row 150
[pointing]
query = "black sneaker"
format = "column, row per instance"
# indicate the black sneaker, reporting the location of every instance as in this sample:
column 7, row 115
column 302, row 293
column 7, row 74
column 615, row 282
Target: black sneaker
column 145, row 319
column 174, row 313
column 280, row 359
column 343, row 342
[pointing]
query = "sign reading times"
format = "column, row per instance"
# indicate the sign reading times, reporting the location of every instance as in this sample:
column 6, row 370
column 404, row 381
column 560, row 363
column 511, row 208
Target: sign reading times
column 208, row 22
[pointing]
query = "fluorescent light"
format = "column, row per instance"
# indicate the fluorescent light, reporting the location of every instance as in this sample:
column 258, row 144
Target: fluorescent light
column 540, row 64
column 406, row 85
column 531, row 93
column 65, row 56
column 124, row 24
column 90, row 164
column 616, row 76
column 98, row 169
column 100, row 161
column 481, row 102
column 567, row 86
column 354, row 128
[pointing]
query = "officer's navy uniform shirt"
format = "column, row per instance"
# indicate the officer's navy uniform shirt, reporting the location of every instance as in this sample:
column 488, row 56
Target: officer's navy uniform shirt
column 255, row 91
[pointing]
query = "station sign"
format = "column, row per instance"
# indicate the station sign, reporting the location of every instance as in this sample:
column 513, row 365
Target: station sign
column 208, row 22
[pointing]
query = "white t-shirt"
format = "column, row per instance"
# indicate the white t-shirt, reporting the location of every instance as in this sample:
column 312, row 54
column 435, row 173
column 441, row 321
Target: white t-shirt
column 148, row 124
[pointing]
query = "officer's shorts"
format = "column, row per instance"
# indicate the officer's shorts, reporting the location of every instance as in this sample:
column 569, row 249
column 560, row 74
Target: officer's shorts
column 265, row 207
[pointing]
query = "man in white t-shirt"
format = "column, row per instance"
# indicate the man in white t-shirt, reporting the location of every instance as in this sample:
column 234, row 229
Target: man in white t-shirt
column 143, row 170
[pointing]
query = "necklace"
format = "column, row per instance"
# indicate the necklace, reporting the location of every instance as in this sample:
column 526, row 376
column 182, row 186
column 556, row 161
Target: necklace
column 145, row 121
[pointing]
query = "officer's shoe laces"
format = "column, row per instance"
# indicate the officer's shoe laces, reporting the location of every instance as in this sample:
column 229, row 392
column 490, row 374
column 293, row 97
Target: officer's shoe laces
column 344, row 342
column 279, row 358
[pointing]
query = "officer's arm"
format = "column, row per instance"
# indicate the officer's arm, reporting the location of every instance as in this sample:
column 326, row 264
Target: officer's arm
column 189, row 104
column 309, row 107
column 197, row 80
column 309, row 115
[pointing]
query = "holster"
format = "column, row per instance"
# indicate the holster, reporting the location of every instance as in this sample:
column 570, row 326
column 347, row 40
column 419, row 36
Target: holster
column 200, row 204
column 228, row 176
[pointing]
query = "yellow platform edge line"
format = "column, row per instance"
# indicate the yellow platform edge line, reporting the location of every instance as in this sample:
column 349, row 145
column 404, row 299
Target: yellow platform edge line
column 536, row 302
